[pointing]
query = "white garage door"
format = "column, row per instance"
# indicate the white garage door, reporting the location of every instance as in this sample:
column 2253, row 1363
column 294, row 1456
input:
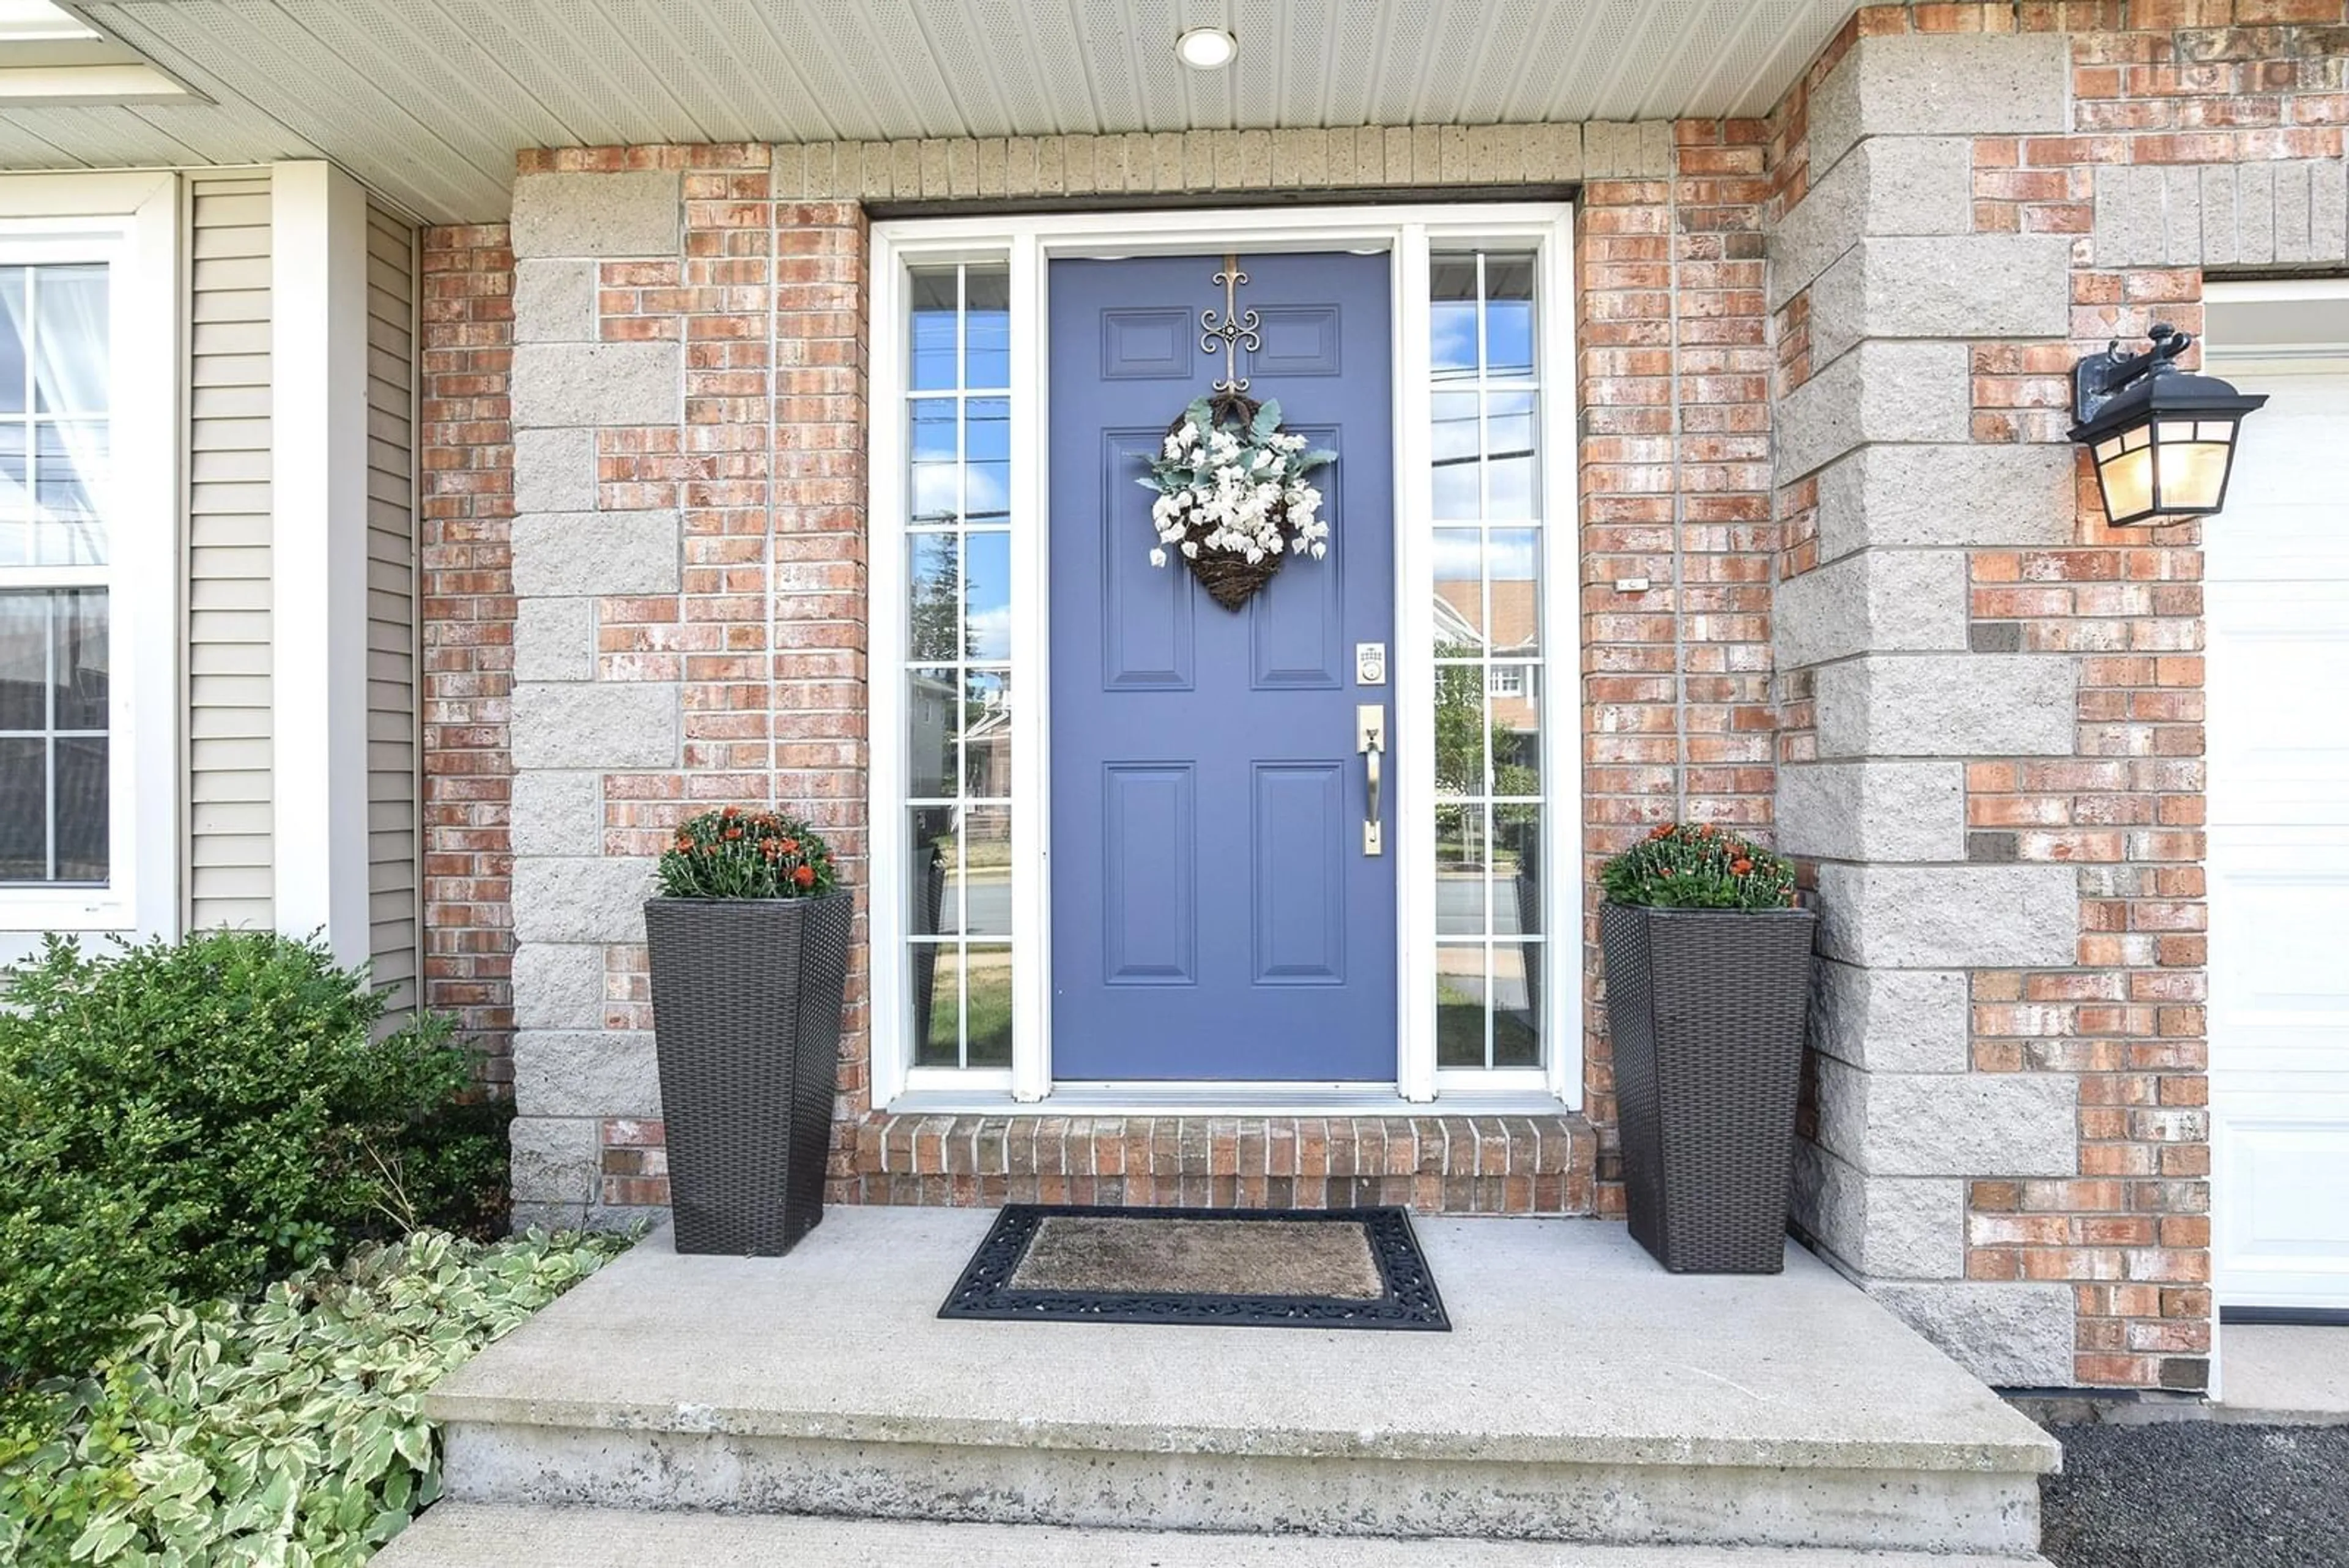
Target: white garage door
column 2278, row 581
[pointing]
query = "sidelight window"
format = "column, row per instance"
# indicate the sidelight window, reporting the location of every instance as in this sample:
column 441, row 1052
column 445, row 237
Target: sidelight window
column 1490, row 654
column 959, row 700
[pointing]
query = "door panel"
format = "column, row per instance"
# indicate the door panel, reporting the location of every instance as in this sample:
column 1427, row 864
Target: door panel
column 2277, row 563
column 1213, row 912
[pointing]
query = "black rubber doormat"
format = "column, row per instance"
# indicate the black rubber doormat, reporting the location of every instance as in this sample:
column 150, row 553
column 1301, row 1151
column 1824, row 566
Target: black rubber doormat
column 1279, row 1268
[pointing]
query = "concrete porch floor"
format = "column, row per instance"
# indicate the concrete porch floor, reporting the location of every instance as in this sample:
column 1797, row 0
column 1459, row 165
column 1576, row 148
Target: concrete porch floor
column 1583, row 1394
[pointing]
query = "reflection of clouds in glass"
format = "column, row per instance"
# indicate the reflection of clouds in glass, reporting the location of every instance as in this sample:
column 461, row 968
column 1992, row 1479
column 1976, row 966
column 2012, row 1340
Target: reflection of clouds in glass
column 990, row 634
column 938, row 491
column 987, row 589
column 1512, row 551
column 1454, row 345
column 987, row 492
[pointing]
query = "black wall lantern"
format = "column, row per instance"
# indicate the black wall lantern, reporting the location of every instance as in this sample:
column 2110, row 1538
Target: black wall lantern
column 2164, row 441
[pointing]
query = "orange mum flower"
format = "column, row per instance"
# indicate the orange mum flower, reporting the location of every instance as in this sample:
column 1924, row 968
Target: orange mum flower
column 804, row 876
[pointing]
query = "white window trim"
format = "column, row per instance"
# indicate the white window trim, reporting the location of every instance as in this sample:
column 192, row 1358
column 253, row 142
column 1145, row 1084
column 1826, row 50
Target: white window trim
column 1408, row 235
column 131, row 222
column 319, row 557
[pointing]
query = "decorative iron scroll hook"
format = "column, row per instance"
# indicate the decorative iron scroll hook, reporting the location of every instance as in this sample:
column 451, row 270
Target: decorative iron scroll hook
column 1236, row 332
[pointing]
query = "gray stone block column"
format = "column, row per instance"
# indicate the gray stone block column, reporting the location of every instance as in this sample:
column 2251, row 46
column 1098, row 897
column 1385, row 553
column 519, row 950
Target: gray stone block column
column 570, row 726
column 1900, row 288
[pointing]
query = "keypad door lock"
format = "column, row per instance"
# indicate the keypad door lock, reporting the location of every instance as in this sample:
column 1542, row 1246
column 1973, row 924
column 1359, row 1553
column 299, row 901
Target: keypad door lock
column 1370, row 664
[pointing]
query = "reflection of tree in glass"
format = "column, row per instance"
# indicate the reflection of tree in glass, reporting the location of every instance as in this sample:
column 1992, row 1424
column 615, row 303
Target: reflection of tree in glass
column 938, row 633
column 1463, row 737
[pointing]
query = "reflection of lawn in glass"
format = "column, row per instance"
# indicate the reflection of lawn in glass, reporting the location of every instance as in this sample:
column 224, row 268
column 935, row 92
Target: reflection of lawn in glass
column 990, row 1009
column 1460, row 1032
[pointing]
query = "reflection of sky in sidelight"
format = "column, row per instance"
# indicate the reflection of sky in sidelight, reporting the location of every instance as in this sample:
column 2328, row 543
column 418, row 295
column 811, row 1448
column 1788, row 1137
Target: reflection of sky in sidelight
column 1458, row 551
column 987, row 594
column 979, row 486
column 985, row 328
column 1508, row 310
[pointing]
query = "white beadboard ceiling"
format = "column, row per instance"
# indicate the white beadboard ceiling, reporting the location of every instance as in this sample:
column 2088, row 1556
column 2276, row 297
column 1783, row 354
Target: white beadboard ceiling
column 428, row 100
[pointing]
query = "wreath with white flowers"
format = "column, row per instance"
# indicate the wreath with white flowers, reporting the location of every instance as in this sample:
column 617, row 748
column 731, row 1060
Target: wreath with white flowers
column 1233, row 500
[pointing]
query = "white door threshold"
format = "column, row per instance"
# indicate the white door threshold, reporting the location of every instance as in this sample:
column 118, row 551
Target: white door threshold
column 1224, row 1100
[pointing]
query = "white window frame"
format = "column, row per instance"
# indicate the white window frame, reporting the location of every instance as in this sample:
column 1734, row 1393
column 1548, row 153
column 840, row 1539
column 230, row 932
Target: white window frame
column 130, row 222
column 1409, row 235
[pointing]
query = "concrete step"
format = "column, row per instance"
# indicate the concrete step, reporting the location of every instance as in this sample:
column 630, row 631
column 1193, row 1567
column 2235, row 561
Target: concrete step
column 1584, row 1394
column 465, row 1535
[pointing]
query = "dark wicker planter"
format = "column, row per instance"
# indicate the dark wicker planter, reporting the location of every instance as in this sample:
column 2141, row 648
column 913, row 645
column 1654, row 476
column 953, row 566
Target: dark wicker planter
column 746, row 1016
column 1706, row 1009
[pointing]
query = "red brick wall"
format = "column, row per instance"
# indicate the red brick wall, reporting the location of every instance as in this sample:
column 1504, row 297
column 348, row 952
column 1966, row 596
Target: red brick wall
column 467, row 507
column 1674, row 478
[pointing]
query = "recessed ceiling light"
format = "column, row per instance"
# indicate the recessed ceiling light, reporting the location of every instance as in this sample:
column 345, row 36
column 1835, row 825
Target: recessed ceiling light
column 1206, row 48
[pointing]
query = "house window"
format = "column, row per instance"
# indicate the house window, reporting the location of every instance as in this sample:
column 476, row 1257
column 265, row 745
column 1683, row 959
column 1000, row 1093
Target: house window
column 56, row 763
column 1487, row 488
column 957, row 670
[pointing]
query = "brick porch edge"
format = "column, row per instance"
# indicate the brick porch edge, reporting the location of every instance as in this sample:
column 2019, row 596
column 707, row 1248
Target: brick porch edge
column 1452, row 1164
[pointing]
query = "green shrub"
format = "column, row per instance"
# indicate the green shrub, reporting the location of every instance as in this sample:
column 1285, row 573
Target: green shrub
column 183, row 1120
column 287, row 1428
column 1691, row 867
column 738, row 854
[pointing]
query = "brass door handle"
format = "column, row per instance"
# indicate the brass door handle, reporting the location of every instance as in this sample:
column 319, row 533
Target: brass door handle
column 1370, row 740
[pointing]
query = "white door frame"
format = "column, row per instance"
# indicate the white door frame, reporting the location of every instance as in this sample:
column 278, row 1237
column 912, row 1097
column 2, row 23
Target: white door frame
column 1407, row 235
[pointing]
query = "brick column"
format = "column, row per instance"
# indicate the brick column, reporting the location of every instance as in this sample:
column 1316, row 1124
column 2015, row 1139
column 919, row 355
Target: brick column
column 1887, row 289
column 467, row 603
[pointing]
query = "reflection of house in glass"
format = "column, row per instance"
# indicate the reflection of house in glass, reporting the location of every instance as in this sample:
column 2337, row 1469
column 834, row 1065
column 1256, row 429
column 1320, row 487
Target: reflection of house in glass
column 1515, row 634
column 1488, row 743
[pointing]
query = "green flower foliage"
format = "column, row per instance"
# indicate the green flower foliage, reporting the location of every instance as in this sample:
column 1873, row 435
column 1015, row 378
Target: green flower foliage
column 738, row 854
column 287, row 1430
column 1690, row 865
column 185, row 1120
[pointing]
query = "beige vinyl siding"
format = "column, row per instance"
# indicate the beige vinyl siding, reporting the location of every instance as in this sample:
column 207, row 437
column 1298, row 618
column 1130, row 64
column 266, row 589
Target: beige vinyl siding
column 394, row 741
column 229, row 751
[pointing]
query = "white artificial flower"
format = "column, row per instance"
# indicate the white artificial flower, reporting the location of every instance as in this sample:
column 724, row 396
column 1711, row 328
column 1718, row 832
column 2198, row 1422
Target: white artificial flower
column 1190, row 550
column 1320, row 550
column 1157, row 557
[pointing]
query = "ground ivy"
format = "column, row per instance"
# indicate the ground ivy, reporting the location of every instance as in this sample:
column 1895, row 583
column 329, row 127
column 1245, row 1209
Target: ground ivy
column 287, row 1430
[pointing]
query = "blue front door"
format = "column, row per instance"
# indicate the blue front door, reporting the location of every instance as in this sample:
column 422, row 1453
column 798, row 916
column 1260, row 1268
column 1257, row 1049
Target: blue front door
column 1215, row 913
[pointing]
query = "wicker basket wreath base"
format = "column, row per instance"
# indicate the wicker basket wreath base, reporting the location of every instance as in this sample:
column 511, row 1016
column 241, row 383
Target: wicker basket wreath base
column 1706, row 1009
column 1231, row 580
